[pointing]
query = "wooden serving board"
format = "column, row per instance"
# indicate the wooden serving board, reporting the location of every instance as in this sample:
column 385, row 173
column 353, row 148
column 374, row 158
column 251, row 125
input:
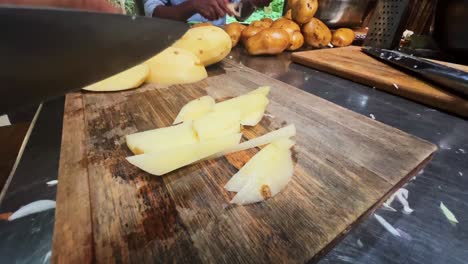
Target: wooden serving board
column 109, row 211
column 352, row 64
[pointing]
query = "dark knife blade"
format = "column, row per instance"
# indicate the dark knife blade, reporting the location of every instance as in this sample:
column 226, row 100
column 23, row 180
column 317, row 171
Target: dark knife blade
column 47, row 52
column 448, row 77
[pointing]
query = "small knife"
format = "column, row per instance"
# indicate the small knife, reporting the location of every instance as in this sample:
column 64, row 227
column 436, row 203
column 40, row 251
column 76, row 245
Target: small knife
column 445, row 76
column 47, row 52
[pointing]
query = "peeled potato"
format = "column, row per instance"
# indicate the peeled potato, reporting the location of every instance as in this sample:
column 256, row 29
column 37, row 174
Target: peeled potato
column 234, row 30
column 251, row 106
column 216, row 124
column 209, row 43
column 164, row 161
column 175, row 66
column 250, row 32
column 263, row 90
column 343, row 37
column 195, row 109
column 128, row 79
column 304, row 10
column 268, row 41
column 316, row 33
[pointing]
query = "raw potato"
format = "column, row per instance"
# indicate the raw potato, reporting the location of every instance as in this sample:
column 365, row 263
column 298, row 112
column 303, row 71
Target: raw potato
column 164, row 161
column 316, row 33
column 249, row 32
column 269, row 41
column 265, row 175
column 304, row 10
column 296, row 40
column 210, row 44
column 215, row 124
column 204, row 24
column 284, row 132
column 195, row 109
column 234, row 30
column 267, row 19
column 251, row 106
column 261, row 24
column 343, row 37
column 128, row 79
column 288, row 14
column 290, row 4
column 161, row 138
column 175, row 66
column 263, row 90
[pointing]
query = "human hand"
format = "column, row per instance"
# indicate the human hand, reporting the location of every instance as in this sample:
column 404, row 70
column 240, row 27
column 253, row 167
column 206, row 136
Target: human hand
column 93, row 5
column 212, row 9
column 260, row 3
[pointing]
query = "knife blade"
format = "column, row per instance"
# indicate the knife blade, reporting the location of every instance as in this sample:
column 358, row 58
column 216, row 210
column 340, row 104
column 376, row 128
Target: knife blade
column 448, row 77
column 46, row 52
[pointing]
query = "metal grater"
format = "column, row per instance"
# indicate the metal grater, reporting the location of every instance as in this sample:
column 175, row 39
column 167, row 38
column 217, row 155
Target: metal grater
column 387, row 24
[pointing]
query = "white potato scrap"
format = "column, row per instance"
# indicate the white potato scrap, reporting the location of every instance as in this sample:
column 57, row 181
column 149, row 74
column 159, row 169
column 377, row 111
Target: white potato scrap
column 164, row 161
column 161, row 138
column 264, row 175
column 128, row 79
column 195, row 109
column 216, row 124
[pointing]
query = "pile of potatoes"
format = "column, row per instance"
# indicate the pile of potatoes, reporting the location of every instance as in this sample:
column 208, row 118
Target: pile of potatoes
column 290, row 32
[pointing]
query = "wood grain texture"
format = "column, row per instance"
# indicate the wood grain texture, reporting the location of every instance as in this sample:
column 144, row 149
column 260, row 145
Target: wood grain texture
column 345, row 164
column 72, row 241
column 352, row 64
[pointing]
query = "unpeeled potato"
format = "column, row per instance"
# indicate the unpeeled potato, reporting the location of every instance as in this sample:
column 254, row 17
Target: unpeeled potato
column 296, row 41
column 267, row 19
column 343, row 37
column 209, row 43
column 249, row 32
column 204, row 24
column 262, row 24
column 295, row 37
column 304, row 10
column 268, row 41
column 288, row 14
column 234, row 30
column 316, row 33
column 290, row 4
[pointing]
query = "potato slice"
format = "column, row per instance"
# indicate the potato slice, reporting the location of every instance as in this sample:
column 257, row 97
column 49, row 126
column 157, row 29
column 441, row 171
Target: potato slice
column 195, row 109
column 265, row 175
column 131, row 78
column 161, row 138
column 175, row 66
column 210, row 44
column 215, row 124
column 285, row 132
column 164, row 161
column 247, row 104
column 263, row 90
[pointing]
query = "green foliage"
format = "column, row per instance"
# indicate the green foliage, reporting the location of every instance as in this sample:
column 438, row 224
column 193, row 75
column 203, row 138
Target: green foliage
column 273, row 11
column 130, row 6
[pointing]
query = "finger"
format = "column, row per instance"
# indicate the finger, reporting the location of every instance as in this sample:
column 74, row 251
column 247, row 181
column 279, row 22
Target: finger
column 220, row 12
column 208, row 13
column 225, row 5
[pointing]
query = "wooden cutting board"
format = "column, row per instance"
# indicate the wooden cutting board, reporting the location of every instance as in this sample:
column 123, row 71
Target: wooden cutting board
column 352, row 64
column 108, row 211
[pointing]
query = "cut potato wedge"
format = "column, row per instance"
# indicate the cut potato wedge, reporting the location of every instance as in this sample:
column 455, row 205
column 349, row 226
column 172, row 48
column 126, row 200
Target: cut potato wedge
column 195, row 109
column 164, row 161
column 175, row 66
column 265, row 175
column 161, row 138
column 285, row 132
column 131, row 78
column 247, row 104
column 263, row 90
column 215, row 124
